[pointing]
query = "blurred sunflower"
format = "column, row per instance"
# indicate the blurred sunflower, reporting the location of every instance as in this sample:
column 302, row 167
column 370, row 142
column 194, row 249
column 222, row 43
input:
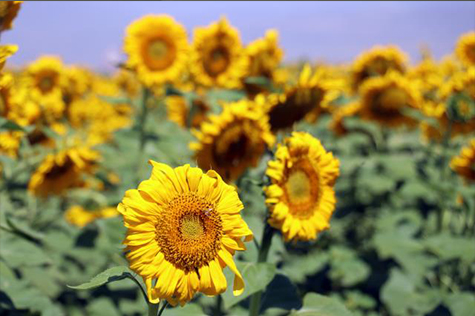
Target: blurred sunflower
column 217, row 58
column 6, row 83
column 308, row 98
column 78, row 83
column 234, row 140
column 5, row 52
column 8, row 12
column 301, row 197
column 377, row 62
column 185, row 114
column 62, row 171
column 337, row 123
column 127, row 82
column 184, row 227
column 464, row 164
column 157, row 49
column 465, row 49
column 80, row 217
column 383, row 100
column 264, row 57
column 10, row 143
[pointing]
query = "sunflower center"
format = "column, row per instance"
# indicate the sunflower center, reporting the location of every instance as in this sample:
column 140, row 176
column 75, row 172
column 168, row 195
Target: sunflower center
column 3, row 9
column 60, row 170
column 393, row 98
column 230, row 147
column 191, row 227
column 159, row 53
column 46, row 83
column 302, row 189
column 217, row 61
column 189, row 231
column 3, row 105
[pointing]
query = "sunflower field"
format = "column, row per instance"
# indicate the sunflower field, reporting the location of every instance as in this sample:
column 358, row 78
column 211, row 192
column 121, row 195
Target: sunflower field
column 207, row 177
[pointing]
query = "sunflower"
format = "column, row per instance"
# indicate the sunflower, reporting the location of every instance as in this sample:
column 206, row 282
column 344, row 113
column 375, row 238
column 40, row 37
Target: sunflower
column 6, row 82
column 218, row 58
column 127, row 83
column 8, row 12
column 10, row 143
column 377, row 62
column 233, row 140
column 157, row 49
column 78, row 83
column 301, row 197
column 45, row 78
column 465, row 49
column 180, row 112
column 464, row 164
column 62, row 171
column 184, row 227
column 383, row 100
column 80, row 217
column 337, row 123
column 309, row 98
column 5, row 52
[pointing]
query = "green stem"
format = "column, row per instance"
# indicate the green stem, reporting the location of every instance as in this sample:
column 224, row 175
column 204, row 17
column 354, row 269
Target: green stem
column 143, row 117
column 152, row 309
column 261, row 257
column 165, row 304
column 443, row 173
column 219, row 305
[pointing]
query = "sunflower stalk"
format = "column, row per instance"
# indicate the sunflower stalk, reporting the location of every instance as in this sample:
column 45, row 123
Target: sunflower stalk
column 264, row 248
column 443, row 173
column 153, row 309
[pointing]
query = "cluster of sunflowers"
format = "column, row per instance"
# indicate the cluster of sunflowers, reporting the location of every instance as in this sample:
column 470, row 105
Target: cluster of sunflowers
column 184, row 224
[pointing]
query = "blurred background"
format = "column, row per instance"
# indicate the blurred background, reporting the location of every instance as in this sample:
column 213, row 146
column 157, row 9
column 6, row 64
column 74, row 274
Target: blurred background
column 91, row 33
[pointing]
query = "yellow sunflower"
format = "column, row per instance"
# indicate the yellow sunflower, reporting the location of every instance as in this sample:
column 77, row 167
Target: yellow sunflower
column 464, row 164
column 8, row 12
column 377, row 62
column 180, row 112
column 45, row 78
column 184, row 227
column 157, row 49
column 234, row 140
column 10, row 143
column 5, row 52
column 383, row 100
column 337, row 123
column 62, row 171
column 218, row 58
column 465, row 49
column 127, row 82
column 6, row 82
column 309, row 98
column 78, row 83
column 301, row 197
column 80, row 217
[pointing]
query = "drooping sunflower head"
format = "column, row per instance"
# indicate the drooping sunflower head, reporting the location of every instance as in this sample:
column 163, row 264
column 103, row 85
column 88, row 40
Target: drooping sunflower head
column 186, row 114
column 62, row 171
column 45, row 78
column 465, row 49
column 234, row 140
column 383, row 100
column 184, row 227
column 217, row 58
column 5, row 52
column 308, row 98
column 301, row 197
column 8, row 12
column 377, row 62
column 157, row 47
column 464, row 164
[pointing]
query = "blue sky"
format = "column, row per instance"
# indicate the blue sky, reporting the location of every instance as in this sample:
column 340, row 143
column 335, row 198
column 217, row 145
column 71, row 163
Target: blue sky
column 91, row 33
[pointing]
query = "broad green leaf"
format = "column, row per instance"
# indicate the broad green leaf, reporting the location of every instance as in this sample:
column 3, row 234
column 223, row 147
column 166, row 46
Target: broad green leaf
column 20, row 252
column 449, row 247
column 110, row 275
column 281, row 293
column 319, row 305
column 461, row 304
column 256, row 277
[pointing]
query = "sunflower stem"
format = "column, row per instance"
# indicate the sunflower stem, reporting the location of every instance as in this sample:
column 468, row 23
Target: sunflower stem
column 153, row 309
column 143, row 117
column 443, row 173
column 165, row 304
column 264, row 248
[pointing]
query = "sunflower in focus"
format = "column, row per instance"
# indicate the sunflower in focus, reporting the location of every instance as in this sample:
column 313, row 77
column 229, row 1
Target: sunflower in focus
column 218, row 58
column 80, row 217
column 184, row 226
column 309, row 98
column 234, row 140
column 465, row 49
column 383, row 100
column 377, row 62
column 8, row 12
column 5, row 52
column 186, row 114
column 62, row 171
column 464, row 164
column 301, row 197
column 157, row 49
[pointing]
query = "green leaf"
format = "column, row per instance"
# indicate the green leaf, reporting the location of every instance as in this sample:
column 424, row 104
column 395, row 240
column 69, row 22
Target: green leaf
column 449, row 247
column 188, row 309
column 461, row 304
column 256, row 277
column 110, row 275
column 6, row 124
column 20, row 252
column 102, row 306
column 281, row 293
column 319, row 305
